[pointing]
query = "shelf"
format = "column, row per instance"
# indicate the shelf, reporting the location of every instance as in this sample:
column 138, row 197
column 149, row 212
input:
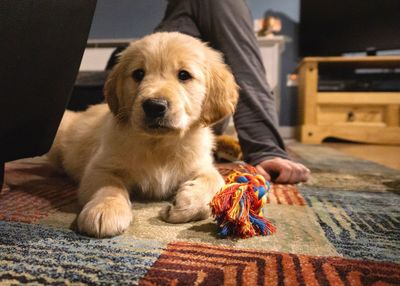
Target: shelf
column 364, row 116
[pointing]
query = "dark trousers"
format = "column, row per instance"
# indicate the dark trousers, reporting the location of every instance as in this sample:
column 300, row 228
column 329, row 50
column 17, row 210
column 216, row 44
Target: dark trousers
column 227, row 26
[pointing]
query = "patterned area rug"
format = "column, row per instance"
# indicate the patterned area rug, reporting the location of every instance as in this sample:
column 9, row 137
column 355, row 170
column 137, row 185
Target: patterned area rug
column 341, row 228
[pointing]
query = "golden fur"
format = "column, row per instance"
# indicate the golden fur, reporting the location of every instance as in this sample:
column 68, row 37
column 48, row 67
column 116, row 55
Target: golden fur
column 113, row 154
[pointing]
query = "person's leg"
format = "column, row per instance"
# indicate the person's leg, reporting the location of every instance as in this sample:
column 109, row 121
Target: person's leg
column 178, row 17
column 228, row 26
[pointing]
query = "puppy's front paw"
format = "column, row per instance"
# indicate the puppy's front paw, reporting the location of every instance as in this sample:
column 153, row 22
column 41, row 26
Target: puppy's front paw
column 174, row 214
column 189, row 205
column 105, row 217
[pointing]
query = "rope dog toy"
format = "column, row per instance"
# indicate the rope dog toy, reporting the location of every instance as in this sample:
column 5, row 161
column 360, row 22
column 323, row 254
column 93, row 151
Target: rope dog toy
column 238, row 206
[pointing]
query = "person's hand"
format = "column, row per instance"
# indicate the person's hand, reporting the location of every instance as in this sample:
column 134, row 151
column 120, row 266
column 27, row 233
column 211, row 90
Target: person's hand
column 283, row 171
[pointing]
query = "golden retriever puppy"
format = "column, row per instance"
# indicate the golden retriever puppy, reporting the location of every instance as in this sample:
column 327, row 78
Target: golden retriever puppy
column 153, row 138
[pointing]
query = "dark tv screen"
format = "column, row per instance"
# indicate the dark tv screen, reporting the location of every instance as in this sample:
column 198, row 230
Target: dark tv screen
column 334, row 27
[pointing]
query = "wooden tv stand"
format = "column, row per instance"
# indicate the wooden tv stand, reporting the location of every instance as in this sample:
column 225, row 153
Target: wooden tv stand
column 368, row 116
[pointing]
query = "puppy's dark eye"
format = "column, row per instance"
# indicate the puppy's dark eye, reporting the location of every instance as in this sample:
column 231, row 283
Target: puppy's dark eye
column 138, row 75
column 184, row 75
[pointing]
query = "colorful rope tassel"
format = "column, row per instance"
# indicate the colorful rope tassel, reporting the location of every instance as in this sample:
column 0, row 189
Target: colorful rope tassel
column 238, row 206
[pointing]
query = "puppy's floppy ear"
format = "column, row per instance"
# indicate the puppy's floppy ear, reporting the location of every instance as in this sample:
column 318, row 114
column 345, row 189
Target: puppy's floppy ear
column 222, row 91
column 113, row 90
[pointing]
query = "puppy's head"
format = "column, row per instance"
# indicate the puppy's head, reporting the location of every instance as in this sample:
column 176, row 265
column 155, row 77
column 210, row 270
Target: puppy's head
column 166, row 83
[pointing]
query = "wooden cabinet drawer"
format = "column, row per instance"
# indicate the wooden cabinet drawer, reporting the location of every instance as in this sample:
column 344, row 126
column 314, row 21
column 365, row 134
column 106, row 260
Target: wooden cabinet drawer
column 351, row 115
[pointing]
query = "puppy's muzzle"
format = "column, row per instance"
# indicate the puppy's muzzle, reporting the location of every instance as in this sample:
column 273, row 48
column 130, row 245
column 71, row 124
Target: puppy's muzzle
column 155, row 111
column 155, row 108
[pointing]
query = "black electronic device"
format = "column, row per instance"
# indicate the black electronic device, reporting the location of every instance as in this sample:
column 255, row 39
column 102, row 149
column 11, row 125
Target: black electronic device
column 358, row 79
column 334, row 27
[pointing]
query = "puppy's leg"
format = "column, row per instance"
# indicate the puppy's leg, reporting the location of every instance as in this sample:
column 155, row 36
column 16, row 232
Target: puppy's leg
column 193, row 198
column 107, row 208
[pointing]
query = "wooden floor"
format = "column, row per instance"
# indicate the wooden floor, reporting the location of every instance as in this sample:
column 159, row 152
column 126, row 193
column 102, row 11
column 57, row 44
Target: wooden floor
column 387, row 155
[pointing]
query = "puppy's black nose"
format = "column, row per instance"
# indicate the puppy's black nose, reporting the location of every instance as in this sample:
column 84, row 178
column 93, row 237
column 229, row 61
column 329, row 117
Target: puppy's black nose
column 155, row 107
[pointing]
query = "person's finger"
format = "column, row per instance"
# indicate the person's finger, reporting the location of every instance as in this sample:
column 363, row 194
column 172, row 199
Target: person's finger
column 262, row 172
column 297, row 174
column 305, row 173
column 273, row 167
column 285, row 173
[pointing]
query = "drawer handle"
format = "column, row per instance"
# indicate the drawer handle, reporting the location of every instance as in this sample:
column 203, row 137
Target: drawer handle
column 350, row 116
